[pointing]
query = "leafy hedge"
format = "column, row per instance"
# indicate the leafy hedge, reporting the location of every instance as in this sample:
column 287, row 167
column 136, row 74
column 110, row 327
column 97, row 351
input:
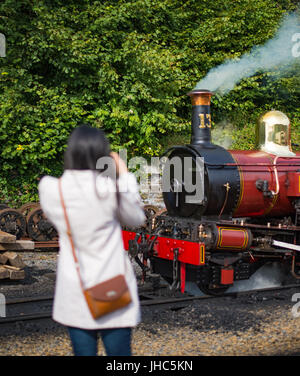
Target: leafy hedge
column 125, row 66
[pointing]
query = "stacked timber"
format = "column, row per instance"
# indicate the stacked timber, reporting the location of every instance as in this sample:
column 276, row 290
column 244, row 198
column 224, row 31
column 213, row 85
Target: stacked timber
column 11, row 263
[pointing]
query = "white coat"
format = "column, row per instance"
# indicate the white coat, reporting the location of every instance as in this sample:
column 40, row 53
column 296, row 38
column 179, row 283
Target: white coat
column 97, row 236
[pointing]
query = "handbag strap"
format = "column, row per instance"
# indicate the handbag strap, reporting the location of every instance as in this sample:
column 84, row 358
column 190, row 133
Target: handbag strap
column 69, row 232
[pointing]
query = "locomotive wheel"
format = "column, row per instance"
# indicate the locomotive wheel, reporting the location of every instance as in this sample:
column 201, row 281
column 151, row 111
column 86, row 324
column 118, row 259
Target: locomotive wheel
column 12, row 222
column 150, row 212
column 26, row 208
column 150, row 209
column 38, row 226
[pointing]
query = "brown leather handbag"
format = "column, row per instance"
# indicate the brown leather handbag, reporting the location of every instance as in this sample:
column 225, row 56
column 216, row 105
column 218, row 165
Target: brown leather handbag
column 104, row 297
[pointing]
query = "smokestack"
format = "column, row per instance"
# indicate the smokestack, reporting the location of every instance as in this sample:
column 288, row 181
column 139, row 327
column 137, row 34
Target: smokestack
column 201, row 119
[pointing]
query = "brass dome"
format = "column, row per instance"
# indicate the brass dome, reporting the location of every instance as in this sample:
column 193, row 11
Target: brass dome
column 275, row 117
column 274, row 133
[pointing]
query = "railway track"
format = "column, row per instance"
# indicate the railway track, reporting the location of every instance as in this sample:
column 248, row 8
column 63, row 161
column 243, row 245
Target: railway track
column 147, row 300
column 31, row 308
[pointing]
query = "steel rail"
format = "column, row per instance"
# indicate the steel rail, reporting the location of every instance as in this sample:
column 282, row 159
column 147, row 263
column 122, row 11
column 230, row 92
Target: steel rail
column 203, row 297
column 144, row 303
column 29, row 299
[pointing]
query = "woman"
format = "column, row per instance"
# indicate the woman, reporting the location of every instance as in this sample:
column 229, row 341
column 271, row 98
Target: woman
column 95, row 211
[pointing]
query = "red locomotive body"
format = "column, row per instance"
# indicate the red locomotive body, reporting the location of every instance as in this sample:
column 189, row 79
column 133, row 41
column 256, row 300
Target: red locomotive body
column 281, row 174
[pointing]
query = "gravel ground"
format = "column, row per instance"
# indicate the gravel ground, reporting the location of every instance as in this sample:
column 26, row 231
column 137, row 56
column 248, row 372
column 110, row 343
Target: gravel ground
column 251, row 324
column 39, row 276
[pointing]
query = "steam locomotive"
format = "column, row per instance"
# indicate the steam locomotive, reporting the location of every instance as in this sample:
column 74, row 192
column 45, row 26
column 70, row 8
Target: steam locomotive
column 247, row 212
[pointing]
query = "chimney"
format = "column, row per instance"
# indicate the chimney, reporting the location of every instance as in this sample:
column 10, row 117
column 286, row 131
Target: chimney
column 201, row 120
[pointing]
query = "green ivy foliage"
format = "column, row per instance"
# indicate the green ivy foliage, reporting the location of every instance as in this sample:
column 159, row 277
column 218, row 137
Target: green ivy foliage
column 126, row 66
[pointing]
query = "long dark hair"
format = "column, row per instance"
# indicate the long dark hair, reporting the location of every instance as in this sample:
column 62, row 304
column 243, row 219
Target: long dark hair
column 85, row 146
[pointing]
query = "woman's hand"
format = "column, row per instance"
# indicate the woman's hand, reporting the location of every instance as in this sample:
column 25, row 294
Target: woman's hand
column 120, row 164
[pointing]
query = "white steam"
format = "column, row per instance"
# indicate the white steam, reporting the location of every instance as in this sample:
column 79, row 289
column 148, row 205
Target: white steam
column 275, row 53
column 222, row 134
column 269, row 275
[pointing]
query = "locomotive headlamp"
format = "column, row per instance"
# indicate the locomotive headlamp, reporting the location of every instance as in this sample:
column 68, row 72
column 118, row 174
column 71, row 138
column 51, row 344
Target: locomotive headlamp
column 274, row 134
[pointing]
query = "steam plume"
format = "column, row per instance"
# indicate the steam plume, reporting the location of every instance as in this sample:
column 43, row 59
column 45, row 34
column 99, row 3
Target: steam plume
column 276, row 52
column 269, row 275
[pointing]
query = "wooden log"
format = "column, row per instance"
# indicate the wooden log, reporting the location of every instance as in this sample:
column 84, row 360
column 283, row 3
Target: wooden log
column 14, row 259
column 9, row 267
column 3, row 259
column 14, row 272
column 4, row 273
column 19, row 245
column 7, row 238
